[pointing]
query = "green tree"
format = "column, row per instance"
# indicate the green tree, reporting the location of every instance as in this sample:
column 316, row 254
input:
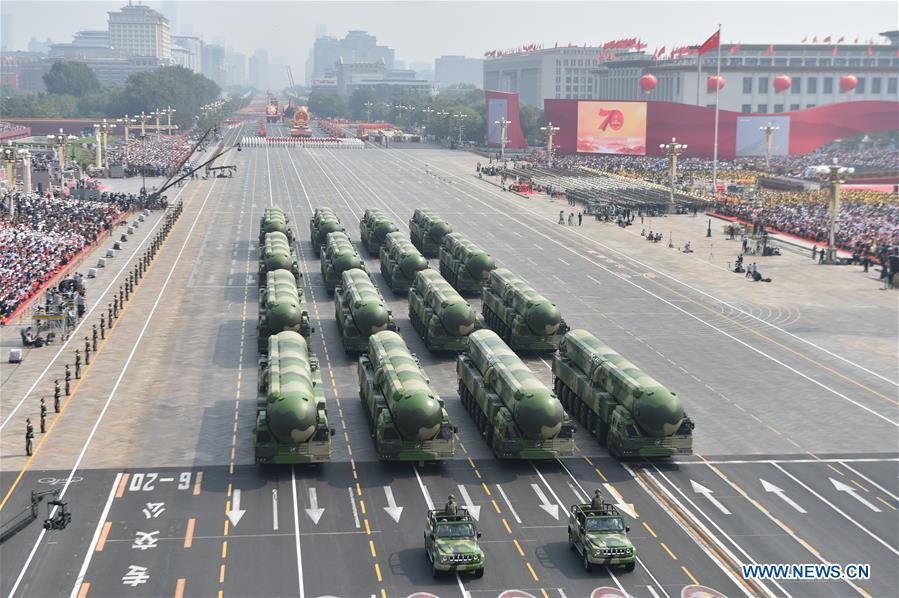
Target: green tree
column 174, row 86
column 71, row 78
column 531, row 119
column 357, row 101
column 325, row 104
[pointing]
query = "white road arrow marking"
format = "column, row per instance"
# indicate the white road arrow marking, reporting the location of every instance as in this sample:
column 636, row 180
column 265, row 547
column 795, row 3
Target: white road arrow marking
column 769, row 487
column 394, row 511
column 853, row 493
column 473, row 509
column 551, row 508
column 619, row 501
column 235, row 513
column 700, row 489
column 315, row 514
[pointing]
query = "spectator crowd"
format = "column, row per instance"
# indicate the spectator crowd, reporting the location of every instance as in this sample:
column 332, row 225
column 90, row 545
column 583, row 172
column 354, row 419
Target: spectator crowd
column 45, row 233
column 152, row 155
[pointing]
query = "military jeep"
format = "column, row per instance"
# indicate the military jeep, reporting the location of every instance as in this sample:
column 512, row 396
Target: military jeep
column 451, row 543
column 600, row 536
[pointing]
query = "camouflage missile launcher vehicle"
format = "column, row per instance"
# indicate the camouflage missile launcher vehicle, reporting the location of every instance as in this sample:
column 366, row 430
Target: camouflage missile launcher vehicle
column 291, row 419
column 400, row 261
column 514, row 411
column 274, row 220
column 427, row 229
column 451, row 543
column 324, row 221
column 282, row 306
column 277, row 254
column 600, row 536
column 407, row 417
column 442, row 318
column 463, row 264
column 631, row 413
column 337, row 256
column 360, row 309
column 374, row 227
column 525, row 319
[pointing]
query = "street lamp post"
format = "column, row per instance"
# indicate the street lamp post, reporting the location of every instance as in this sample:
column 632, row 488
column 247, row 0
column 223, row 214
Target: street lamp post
column 550, row 132
column 25, row 155
column 143, row 122
column 98, row 134
column 157, row 114
column 672, row 150
column 9, row 156
column 107, row 126
column 835, row 178
column 368, row 107
column 769, row 131
column 169, row 111
column 503, row 125
column 460, row 116
column 61, row 140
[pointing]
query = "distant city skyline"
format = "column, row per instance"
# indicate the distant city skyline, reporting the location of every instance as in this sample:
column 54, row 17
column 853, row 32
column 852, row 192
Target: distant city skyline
column 245, row 27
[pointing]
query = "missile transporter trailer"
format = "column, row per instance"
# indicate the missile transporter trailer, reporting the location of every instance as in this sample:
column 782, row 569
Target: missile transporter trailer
column 374, row 227
column 463, row 264
column 442, row 318
column 451, row 543
column 600, row 536
column 400, row 261
column 427, row 229
column 337, row 256
column 629, row 412
column 274, row 220
column 277, row 254
column 282, row 306
column 360, row 310
column 291, row 419
column 525, row 319
column 407, row 418
column 513, row 410
column 324, row 221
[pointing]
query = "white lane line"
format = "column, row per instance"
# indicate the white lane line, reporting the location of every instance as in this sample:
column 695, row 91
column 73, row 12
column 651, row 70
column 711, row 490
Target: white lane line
column 563, row 261
column 353, row 505
column 424, row 490
column 682, row 283
column 772, row 461
column 296, row 533
column 118, row 381
column 593, row 279
column 93, row 545
column 508, row 503
column 869, row 480
column 274, row 508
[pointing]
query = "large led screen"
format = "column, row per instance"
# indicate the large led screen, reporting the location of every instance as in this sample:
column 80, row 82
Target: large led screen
column 611, row 128
column 752, row 138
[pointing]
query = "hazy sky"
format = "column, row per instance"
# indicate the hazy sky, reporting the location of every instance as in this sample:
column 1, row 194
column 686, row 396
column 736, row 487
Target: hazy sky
column 421, row 31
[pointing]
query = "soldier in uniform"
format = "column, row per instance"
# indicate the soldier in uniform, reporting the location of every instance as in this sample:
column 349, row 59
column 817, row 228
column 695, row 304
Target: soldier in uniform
column 77, row 364
column 597, row 501
column 87, row 351
column 43, row 416
column 29, row 436
column 56, row 395
column 450, row 507
column 94, row 336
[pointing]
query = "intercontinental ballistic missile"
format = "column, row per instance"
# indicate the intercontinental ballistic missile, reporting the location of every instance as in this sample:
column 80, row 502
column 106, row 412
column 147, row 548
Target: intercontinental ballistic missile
column 442, row 318
column 464, row 265
column 361, row 310
column 274, row 220
column 374, row 227
column 427, row 229
column 324, row 221
column 277, row 254
column 525, row 319
column 338, row 256
column 282, row 306
column 400, row 260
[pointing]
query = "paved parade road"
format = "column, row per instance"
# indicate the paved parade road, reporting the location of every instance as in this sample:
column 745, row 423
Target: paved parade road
column 795, row 463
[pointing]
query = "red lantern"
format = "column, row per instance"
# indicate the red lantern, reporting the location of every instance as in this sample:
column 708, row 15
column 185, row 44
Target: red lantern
column 782, row 83
column 848, row 83
column 715, row 84
column 648, row 83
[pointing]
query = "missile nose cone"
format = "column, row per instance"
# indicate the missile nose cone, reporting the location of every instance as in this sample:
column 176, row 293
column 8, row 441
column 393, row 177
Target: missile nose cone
column 539, row 416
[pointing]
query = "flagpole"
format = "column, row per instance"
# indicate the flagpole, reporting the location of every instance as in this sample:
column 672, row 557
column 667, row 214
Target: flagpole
column 717, row 94
column 698, row 76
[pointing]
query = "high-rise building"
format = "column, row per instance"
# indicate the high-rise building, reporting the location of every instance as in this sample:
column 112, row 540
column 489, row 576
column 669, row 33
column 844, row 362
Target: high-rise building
column 214, row 63
column 189, row 53
column 138, row 30
column 235, row 68
column 356, row 46
column 458, row 70
column 277, row 73
column 258, row 69
column 6, row 33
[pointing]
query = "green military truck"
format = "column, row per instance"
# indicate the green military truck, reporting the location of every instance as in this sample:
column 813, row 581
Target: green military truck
column 400, row 261
column 463, row 264
column 360, row 310
column 427, row 229
column 451, row 543
column 276, row 253
column 406, row 415
column 337, row 256
column 291, row 418
column 274, row 220
column 282, row 306
column 600, row 536
column 525, row 319
column 442, row 318
column 374, row 227
column 629, row 412
column 519, row 417
column 323, row 221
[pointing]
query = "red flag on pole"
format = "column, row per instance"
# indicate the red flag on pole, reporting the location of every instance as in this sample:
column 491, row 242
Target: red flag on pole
column 815, row 40
column 840, row 41
column 856, row 40
column 769, row 51
column 735, row 49
column 710, row 44
column 870, row 52
column 826, row 40
column 804, row 39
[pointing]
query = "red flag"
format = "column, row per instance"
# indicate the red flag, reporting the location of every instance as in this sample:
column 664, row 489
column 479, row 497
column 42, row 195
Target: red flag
column 870, row 52
column 834, row 52
column 804, row 39
column 735, row 49
column 662, row 52
column 711, row 43
column 769, row 51
column 815, row 40
column 826, row 40
column 840, row 41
